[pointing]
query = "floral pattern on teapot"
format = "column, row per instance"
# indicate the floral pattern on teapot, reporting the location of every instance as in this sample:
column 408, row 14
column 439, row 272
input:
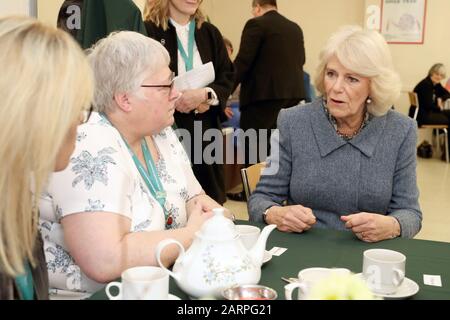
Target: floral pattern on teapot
column 216, row 274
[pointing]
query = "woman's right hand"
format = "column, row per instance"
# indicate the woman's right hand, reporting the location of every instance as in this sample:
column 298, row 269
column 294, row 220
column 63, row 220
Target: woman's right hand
column 197, row 216
column 291, row 218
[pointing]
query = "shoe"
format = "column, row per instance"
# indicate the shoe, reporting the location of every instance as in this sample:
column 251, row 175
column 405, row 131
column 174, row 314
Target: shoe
column 236, row 196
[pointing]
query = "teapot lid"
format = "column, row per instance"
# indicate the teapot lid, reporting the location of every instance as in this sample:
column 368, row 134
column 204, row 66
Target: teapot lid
column 218, row 227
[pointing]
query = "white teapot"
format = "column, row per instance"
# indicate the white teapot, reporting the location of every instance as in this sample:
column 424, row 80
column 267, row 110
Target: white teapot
column 217, row 259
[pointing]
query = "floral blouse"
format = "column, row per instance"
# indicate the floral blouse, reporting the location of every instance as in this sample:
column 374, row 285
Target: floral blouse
column 102, row 177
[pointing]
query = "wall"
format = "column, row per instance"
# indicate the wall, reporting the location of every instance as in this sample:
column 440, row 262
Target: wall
column 48, row 9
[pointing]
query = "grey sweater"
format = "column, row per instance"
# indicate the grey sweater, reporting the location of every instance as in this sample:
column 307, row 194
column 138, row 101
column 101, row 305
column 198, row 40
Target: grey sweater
column 374, row 172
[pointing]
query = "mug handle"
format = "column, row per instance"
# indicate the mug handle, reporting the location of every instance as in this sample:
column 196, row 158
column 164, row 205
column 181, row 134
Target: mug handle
column 111, row 285
column 161, row 247
column 399, row 276
column 290, row 288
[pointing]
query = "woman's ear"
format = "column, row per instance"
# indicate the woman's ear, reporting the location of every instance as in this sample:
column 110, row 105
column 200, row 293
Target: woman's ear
column 123, row 101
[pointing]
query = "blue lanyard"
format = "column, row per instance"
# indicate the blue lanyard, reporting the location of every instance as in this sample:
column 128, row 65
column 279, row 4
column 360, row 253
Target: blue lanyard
column 150, row 176
column 25, row 285
column 188, row 58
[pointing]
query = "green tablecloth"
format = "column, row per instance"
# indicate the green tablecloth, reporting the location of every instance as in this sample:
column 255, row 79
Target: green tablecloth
column 328, row 248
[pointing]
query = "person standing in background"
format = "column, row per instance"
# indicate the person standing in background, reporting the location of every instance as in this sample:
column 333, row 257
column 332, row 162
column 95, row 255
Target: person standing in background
column 191, row 41
column 269, row 67
column 40, row 97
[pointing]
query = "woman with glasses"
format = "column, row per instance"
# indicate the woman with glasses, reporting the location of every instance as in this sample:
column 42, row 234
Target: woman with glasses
column 38, row 127
column 129, row 184
column 191, row 41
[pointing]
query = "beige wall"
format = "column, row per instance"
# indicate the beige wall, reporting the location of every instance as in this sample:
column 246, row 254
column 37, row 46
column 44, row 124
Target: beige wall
column 318, row 20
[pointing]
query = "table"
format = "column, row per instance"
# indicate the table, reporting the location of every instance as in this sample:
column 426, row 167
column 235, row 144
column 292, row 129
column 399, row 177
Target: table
column 329, row 248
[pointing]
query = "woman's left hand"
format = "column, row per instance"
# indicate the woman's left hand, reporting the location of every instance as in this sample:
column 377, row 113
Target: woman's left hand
column 190, row 100
column 207, row 204
column 371, row 227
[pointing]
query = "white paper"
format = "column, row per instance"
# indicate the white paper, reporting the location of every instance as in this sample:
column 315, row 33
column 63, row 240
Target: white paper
column 196, row 78
column 276, row 251
column 434, row 281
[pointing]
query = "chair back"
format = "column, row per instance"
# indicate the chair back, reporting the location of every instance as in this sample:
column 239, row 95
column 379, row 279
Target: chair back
column 414, row 101
column 250, row 177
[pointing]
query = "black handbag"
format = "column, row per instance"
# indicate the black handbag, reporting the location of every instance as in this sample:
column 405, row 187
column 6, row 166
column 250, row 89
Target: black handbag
column 425, row 150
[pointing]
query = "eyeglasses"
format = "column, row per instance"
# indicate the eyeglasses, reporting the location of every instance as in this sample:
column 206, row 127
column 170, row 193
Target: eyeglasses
column 86, row 115
column 168, row 86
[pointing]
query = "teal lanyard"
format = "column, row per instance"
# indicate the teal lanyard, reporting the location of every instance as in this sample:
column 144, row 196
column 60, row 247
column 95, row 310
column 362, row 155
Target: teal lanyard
column 188, row 58
column 25, row 285
column 150, row 176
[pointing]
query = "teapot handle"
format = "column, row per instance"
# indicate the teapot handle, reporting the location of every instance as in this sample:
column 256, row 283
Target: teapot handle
column 161, row 247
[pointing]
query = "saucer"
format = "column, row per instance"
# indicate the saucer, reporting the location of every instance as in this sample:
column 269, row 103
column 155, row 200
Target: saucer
column 407, row 289
column 173, row 297
column 267, row 256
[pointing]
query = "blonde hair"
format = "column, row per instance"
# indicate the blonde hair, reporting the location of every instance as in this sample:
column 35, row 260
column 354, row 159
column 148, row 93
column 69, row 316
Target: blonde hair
column 366, row 53
column 157, row 11
column 46, row 82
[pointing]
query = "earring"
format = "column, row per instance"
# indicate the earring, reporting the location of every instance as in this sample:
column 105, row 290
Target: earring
column 369, row 100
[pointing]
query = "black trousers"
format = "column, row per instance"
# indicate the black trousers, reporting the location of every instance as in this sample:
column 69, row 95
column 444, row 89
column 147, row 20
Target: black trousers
column 442, row 117
column 261, row 115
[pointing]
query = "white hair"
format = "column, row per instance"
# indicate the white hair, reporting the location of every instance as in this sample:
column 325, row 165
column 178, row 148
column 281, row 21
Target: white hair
column 121, row 62
column 366, row 53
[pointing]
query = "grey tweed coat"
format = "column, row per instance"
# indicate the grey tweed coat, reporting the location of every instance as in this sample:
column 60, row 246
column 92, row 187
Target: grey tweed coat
column 374, row 172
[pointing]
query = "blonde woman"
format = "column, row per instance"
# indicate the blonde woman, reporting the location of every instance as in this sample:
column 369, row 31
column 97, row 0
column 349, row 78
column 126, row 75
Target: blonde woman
column 191, row 41
column 45, row 85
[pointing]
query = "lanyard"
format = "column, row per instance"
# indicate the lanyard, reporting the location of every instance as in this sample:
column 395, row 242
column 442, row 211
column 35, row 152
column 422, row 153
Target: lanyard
column 25, row 285
column 188, row 58
column 150, row 176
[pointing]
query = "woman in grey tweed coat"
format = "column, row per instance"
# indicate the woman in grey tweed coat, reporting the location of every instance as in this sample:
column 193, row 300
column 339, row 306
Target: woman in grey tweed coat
column 346, row 161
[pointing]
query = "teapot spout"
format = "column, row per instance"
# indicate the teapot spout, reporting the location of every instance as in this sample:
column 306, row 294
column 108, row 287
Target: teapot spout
column 257, row 251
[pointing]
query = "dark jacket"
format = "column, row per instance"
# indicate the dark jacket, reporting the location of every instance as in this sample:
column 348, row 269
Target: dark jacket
column 270, row 61
column 428, row 93
column 211, row 47
column 101, row 17
column 8, row 290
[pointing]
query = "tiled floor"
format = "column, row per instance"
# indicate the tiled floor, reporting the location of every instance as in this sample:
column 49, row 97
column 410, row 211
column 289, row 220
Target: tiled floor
column 433, row 178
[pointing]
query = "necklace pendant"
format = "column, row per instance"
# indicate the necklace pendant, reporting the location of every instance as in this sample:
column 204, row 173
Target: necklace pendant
column 169, row 221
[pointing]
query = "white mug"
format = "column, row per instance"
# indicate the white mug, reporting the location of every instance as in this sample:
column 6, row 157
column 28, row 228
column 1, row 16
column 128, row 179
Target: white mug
column 248, row 235
column 141, row 283
column 383, row 270
column 307, row 278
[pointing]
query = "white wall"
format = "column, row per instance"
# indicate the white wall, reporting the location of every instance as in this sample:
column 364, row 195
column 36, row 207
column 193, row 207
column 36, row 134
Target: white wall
column 18, row 7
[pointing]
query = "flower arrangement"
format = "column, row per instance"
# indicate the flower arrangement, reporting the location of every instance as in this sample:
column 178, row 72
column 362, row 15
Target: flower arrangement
column 341, row 287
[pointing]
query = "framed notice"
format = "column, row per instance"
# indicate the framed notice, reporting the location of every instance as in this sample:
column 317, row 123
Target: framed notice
column 403, row 21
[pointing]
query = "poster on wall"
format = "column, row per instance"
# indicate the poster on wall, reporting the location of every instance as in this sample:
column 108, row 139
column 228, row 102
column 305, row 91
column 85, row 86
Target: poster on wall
column 403, row 21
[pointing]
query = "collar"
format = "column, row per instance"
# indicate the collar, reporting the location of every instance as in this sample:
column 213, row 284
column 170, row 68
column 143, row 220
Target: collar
column 328, row 140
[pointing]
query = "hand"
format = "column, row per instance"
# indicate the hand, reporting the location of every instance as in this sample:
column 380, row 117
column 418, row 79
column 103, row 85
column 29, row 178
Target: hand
column 370, row 227
column 197, row 216
column 291, row 219
column 190, row 100
column 207, row 204
column 229, row 112
column 202, row 108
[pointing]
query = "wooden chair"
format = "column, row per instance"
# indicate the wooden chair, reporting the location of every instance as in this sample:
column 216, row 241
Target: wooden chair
column 250, row 177
column 414, row 101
